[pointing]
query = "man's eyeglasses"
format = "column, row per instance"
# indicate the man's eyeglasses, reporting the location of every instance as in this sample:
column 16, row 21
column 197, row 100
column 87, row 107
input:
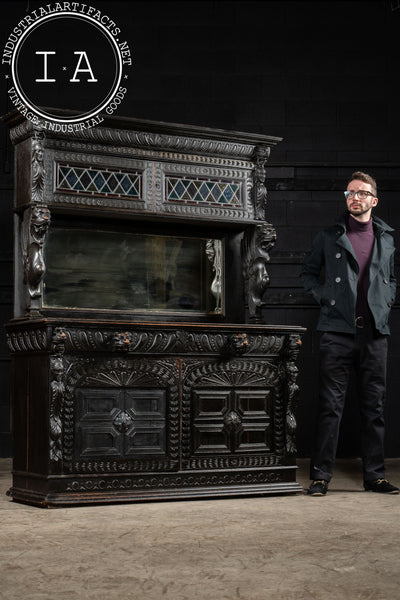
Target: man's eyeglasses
column 361, row 194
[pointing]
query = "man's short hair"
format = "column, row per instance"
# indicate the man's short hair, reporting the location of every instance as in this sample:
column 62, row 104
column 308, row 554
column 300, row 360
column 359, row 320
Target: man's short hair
column 360, row 176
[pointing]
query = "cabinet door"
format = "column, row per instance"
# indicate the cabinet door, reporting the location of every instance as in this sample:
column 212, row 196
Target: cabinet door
column 117, row 422
column 235, row 413
column 230, row 420
column 121, row 415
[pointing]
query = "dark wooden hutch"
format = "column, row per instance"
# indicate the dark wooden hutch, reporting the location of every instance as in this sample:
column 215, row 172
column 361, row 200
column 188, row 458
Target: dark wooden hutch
column 142, row 366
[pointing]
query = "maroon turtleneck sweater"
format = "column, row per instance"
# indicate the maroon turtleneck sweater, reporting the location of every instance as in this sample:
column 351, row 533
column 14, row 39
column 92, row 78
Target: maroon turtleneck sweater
column 361, row 236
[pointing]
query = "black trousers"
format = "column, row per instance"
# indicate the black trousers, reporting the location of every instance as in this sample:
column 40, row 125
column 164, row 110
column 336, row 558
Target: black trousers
column 339, row 354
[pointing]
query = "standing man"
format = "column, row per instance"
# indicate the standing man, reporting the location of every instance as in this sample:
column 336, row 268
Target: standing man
column 356, row 292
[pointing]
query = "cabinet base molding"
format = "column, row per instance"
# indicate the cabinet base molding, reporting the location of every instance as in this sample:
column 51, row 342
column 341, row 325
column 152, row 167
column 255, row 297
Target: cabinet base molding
column 57, row 492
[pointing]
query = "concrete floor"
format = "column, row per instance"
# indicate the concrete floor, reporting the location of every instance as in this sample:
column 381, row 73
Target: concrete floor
column 341, row 547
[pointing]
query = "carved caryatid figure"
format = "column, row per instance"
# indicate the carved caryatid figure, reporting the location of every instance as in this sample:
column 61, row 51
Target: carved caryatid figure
column 257, row 244
column 35, row 227
column 213, row 251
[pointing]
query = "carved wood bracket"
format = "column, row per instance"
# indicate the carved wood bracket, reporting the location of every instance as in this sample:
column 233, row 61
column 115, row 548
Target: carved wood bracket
column 260, row 157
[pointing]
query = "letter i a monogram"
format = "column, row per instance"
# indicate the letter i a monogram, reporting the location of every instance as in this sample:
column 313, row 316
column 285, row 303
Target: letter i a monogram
column 45, row 55
column 51, row 78
column 78, row 70
column 82, row 55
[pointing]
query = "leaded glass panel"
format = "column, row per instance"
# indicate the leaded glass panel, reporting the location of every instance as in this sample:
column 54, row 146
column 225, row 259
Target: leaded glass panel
column 188, row 190
column 98, row 182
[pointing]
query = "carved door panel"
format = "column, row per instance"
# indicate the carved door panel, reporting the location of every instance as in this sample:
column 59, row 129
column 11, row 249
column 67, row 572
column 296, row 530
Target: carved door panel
column 231, row 420
column 121, row 415
column 120, row 422
column 233, row 413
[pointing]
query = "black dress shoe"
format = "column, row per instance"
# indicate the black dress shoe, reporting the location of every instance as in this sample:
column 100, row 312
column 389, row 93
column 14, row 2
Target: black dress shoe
column 382, row 486
column 319, row 487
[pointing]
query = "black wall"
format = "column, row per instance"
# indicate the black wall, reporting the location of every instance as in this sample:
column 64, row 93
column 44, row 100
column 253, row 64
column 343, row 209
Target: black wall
column 322, row 75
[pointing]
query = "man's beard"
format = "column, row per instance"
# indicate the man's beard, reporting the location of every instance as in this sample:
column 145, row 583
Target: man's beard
column 359, row 211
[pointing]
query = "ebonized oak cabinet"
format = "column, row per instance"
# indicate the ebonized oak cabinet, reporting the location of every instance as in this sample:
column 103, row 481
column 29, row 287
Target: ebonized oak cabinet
column 142, row 365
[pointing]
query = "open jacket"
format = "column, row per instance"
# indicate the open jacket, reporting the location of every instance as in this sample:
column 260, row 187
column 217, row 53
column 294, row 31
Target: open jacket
column 332, row 257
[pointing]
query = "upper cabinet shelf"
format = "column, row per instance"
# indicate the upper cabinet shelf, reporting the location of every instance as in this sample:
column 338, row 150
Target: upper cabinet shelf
column 143, row 167
column 140, row 217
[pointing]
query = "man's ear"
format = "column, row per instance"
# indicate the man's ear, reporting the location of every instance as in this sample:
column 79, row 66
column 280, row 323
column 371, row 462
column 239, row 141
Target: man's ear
column 375, row 202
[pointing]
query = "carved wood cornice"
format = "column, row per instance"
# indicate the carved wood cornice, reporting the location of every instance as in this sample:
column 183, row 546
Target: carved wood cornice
column 146, row 140
column 154, row 134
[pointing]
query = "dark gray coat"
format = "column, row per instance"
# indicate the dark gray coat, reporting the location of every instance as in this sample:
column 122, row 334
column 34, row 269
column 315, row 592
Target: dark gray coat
column 332, row 258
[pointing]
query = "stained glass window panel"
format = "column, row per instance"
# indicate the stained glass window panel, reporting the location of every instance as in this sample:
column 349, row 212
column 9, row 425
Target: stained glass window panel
column 99, row 182
column 179, row 189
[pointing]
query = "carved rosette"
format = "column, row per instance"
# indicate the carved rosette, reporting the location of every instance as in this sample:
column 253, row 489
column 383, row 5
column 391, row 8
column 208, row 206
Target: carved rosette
column 256, row 245
column 232, row 422
column 123, row 421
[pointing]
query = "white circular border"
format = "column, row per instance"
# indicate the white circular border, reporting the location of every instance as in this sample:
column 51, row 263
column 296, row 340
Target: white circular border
column 33, row 108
